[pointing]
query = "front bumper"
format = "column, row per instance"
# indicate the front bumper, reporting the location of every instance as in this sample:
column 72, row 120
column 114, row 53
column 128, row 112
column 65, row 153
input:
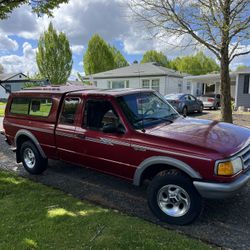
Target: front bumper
column 212, row 190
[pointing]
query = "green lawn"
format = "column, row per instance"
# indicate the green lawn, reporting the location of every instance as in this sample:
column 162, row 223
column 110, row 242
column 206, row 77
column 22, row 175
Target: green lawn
column 1, row 111
column 2, row 108
column 34, row 216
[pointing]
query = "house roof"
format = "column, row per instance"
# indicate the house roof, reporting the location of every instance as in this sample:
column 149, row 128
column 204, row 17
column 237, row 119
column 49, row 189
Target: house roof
column 5, row 77
column 208, row 77
column 137, row 70
column 244, row 71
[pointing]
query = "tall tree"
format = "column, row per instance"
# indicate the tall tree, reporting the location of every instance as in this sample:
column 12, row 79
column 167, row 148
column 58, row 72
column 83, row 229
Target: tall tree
column 222, row 26
column 119, row 59
column 198, row 64
column 98, row 57
column 155, row 56
column 38, row 6
column 1, row 69
column 54, row 57
column 242, row 66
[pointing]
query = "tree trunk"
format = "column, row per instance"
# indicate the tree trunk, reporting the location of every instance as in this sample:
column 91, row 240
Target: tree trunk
column 226, row 108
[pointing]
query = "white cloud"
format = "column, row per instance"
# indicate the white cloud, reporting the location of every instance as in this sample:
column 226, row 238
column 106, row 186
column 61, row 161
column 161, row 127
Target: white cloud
column 25, row 63
column 7, row 44
column 80, row 19
column 77, row 49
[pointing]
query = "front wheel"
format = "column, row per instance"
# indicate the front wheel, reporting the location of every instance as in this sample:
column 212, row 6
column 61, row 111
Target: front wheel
column 32, row 160
column 173, row 198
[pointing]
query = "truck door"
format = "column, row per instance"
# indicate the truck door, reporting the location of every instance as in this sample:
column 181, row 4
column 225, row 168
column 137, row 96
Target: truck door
column 65, row 131
column 108, row 151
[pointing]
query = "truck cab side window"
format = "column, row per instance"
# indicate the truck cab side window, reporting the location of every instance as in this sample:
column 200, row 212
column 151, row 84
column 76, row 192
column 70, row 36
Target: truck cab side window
column 69, row 111
column 99, row 113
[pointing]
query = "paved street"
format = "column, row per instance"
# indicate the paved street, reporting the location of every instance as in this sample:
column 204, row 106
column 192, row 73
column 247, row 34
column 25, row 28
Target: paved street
column 224, row 223
column 1, row 123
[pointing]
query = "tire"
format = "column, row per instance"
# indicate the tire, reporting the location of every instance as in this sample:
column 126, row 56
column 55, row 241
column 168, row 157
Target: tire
column 185, row 203
column 185, row 111
column 32, row 160
column 216, row 107
column 201, row 109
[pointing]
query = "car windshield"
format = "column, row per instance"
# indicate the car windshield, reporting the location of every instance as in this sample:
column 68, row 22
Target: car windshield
column 146, row 109
column 173, row 96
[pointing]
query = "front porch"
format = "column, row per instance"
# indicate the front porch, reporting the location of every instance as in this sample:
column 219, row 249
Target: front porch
column 209, row 84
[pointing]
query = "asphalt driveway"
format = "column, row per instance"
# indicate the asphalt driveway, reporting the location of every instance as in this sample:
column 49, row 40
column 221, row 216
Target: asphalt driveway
column 224, row 223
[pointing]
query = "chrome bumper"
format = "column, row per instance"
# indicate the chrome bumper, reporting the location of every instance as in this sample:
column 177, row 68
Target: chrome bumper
column 221, row 190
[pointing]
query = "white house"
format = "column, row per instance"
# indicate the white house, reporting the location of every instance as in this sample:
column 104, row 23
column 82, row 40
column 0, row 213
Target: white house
column 10, row 82
column 210, row 83
column 147, row 75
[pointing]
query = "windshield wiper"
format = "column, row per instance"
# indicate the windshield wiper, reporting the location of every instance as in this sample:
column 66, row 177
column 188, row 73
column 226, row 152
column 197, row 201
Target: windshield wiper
column 155, row 119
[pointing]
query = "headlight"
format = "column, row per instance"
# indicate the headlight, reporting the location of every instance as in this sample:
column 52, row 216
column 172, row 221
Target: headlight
column 230, row 167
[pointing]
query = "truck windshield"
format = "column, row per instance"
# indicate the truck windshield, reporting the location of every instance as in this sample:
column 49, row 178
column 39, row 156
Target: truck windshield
column 146, row 109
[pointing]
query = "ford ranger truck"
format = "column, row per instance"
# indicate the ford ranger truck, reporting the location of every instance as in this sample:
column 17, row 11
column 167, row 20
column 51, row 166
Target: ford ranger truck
column 133, row 134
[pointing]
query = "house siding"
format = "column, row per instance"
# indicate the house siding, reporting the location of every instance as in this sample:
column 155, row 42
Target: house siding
column 168, row 84
column 242, row 99
column 15, row 86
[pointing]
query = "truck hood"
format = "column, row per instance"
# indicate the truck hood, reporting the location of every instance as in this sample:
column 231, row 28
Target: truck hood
column 224, row 138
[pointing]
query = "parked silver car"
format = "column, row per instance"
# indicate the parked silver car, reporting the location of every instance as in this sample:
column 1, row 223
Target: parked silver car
column 211, row 101
column 185, row 103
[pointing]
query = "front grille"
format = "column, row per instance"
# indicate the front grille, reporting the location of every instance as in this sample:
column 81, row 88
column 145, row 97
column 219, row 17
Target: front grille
column 245, row 155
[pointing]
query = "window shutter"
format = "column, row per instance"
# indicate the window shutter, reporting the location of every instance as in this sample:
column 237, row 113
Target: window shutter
column 246, row 84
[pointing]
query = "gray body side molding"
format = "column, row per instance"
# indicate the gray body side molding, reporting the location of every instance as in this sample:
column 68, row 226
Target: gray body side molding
column 156, row 160
column 32, row 138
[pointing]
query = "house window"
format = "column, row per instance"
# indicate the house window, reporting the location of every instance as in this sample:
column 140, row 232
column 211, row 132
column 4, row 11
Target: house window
column 145, row 84
column 118, row 84
column 153, row 84
column 246, row 89
column 210, row 88
column 156, row 84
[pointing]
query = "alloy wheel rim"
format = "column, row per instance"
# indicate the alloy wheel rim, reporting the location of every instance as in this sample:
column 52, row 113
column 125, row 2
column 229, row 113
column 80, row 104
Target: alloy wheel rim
column 173, row 200
column 29, row 158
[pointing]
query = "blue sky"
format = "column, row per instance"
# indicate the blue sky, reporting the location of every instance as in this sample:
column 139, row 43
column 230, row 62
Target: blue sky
column 80, row 19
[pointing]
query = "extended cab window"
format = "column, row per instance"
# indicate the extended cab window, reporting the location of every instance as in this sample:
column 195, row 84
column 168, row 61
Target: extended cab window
column 30, row 106
column 40, row 107
column 99, row 113
column 69, row 110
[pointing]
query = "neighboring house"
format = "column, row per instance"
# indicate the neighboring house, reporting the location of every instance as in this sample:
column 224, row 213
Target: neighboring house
column 147, row 75
column 11, row 82
column 210, row 83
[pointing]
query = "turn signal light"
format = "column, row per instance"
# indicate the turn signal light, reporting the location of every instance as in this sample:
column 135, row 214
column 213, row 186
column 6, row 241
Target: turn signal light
column 225, row 168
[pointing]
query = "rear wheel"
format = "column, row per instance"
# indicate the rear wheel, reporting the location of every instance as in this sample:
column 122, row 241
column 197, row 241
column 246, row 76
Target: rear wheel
column 32, row 160
column 185, row 111
column 173, row 198
column 216, row 107
column 200, row 109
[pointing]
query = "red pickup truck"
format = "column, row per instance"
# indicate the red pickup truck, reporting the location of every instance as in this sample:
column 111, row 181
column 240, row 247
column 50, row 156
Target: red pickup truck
column 135, row 135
